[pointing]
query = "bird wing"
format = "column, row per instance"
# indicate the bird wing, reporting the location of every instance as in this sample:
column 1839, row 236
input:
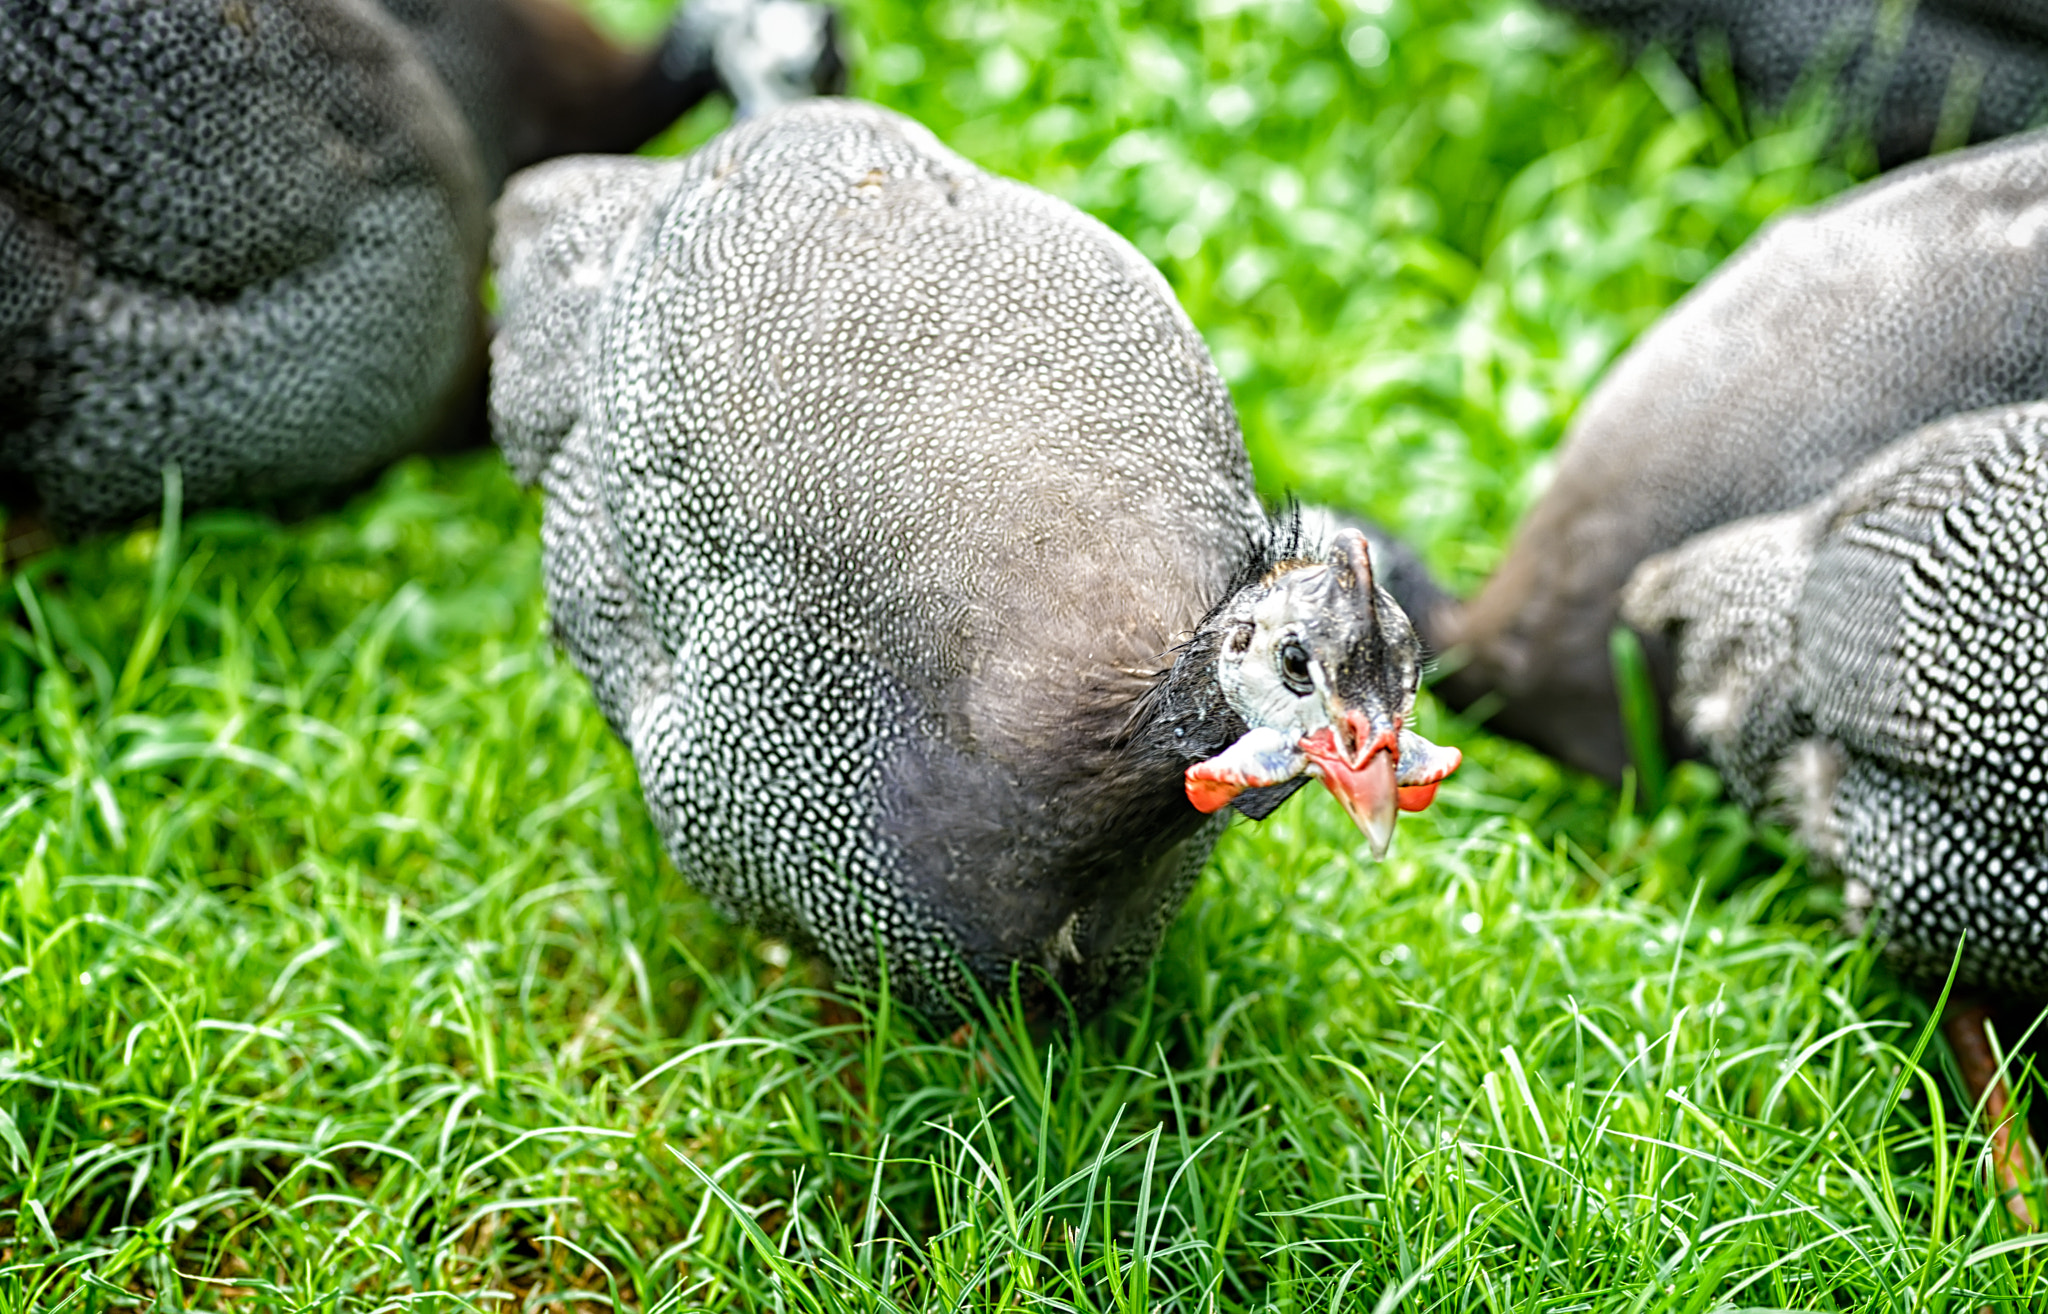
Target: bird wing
column 1923, row 621
column 1901, row 616
column 1831, row 333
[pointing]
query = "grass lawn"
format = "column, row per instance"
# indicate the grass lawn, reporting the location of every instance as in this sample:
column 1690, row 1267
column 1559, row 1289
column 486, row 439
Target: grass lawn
column 341, row 970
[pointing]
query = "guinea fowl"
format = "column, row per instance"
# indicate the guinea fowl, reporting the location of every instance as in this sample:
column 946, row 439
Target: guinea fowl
column 1830, row 334
column 1875, row 663
column 245, row 238
column 905, row 532
column 1909, row 77
column 1833, row 335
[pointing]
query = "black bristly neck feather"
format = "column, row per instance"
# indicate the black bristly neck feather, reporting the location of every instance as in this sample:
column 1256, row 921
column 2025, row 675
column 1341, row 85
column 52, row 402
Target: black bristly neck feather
column 1104, row 791
column 1081, row 822
column 1183, row 718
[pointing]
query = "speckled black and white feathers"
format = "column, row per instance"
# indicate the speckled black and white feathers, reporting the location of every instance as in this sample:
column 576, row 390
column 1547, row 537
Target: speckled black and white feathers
column 879, row 491
column 1876, row 664
column 1830, row 334
column 241, row 238
column 244, row 237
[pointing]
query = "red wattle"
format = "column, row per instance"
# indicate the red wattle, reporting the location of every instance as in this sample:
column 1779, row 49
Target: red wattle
column 1209, row 794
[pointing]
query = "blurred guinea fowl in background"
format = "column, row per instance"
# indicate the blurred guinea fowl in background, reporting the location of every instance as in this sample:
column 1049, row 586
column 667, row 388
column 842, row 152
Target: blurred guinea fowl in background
column 244, row 237
column 1907, row 77
column 1816, row 655
column 907, row 536
column 1874, row 664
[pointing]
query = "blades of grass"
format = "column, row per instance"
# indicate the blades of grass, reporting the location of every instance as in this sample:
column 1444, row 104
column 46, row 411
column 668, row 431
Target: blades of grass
column 788, row 1275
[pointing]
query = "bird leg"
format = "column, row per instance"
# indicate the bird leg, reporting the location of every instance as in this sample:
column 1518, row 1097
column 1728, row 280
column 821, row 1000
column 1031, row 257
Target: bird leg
column 1963, row 1023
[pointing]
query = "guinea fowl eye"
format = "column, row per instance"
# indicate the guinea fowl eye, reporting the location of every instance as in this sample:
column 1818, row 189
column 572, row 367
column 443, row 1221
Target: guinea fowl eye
column 1294, row 668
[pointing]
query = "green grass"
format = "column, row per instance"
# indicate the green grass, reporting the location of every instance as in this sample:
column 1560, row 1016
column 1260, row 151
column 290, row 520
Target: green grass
column 340, row 968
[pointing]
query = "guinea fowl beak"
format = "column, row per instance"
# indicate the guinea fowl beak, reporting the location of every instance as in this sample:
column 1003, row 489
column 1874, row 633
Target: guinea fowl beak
column 1358, row 738
column 1361, row 772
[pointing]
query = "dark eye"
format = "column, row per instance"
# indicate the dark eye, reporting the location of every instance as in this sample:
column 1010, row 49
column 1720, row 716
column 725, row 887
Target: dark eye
column 1294, row 668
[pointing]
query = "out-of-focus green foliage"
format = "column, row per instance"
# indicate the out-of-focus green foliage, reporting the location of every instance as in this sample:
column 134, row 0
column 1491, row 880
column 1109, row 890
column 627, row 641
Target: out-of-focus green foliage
column 1412, row 234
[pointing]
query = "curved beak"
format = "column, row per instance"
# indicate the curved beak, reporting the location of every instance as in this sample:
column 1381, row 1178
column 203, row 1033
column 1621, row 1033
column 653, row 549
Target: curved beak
column 1377, row 770
column 1359, row 763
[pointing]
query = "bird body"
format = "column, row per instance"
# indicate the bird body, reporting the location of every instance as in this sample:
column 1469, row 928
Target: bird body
column 245, row 238
column 200, row 218
column 1822, row 471
column 1876, row 663
column 883, row 498
column 1832, row 333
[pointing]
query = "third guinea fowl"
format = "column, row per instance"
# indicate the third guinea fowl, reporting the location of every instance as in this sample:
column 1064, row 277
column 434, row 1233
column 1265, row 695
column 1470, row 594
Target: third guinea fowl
column 244, row 237
column 1876, row 663
column 1817, row 483
column 907, row 536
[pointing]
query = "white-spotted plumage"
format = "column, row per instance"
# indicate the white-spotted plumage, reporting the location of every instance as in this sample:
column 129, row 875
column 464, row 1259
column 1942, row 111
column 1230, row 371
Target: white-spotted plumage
column 883, row 498
column 1876, row 663
column 239, row 239
column 244, row 238
column 1902, row 79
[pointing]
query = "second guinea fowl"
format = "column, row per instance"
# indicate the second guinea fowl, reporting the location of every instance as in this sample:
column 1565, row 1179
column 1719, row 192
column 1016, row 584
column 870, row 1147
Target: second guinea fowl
column 907, row 536
column 244, row 239
column 1777, row 390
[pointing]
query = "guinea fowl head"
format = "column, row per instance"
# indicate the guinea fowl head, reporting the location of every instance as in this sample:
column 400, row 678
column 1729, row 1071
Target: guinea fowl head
column 1321, row 665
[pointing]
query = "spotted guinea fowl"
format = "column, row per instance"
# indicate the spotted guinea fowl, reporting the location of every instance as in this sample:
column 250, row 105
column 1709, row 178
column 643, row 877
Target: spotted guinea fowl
column 244, row 237
column 907, row 536
column 1830, row 337
column 1875, row 665
column 1906, row 76
column 1832, row 333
